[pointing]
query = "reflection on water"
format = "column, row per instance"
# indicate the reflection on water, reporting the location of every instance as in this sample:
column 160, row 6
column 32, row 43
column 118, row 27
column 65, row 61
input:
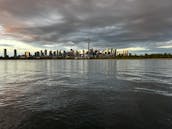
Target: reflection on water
column 89, row 94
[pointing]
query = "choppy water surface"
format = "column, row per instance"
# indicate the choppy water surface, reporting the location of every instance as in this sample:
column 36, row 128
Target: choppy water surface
column 86, row 94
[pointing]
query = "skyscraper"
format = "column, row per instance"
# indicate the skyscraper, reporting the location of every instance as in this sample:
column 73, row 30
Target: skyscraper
column 15, row 53
column 5, row 53
column 54, row 53
column 89, row 47
column 45, row 52
column 50, row 53
column 27, row 54
column 115, row 52
column 42, row 53
column 57, row 52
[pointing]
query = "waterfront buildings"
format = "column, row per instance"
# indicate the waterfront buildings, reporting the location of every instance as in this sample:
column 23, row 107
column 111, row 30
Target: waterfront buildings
column 73, row 54
column 123, row 53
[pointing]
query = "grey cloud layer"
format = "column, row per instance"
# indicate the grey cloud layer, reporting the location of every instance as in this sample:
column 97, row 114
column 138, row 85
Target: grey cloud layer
column 108, row 23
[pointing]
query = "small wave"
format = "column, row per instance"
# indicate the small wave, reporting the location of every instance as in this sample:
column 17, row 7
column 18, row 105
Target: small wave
column 160, row 92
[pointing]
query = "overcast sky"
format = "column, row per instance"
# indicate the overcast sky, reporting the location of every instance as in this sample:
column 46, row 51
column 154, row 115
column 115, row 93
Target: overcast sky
column 139, row 25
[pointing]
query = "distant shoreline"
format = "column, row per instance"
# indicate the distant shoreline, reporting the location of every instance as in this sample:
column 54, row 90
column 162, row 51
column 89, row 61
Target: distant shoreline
column 98, row 59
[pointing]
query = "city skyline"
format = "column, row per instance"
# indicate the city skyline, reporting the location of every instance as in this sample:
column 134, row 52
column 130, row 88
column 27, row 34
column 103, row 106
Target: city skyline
column 136, row 25
column 90, row 53
column 63, row 53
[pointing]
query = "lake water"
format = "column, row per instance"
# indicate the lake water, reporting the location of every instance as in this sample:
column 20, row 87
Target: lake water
column 86, row 94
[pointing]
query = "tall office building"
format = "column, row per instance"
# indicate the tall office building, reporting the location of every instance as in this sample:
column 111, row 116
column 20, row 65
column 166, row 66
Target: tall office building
column 15, row 53
column 5, row 53
column 115, row 52
column 27, row 54
column 37, row 54
column 125, row 53
column 57, row 52
column 42, row 53
column 45, row 52
column 54, row 53
column 50, row 53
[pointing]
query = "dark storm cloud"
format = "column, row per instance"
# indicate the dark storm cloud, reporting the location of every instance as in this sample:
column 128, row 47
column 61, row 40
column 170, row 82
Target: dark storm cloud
column 108, row 23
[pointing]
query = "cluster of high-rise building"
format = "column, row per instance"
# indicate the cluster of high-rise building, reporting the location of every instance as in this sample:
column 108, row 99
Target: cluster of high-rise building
column 91, row 53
